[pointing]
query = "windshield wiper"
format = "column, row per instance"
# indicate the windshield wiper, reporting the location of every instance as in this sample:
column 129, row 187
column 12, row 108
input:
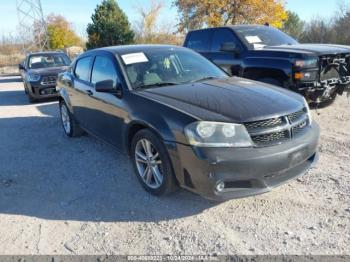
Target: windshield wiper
column 160, row 84
column 204, row 79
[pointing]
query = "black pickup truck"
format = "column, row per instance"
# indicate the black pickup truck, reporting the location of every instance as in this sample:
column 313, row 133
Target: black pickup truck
column 318, row 71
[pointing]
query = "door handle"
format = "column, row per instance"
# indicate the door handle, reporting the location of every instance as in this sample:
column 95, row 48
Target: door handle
column 89, row 92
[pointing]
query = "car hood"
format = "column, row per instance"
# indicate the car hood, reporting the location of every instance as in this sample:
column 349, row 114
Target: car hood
column 48, row 71
column 314, row 49
column 233, row 99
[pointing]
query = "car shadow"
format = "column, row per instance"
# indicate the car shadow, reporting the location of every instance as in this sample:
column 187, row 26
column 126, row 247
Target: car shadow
column 47, row 175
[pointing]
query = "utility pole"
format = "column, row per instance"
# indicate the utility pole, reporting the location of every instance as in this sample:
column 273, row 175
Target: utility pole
column 32, row 25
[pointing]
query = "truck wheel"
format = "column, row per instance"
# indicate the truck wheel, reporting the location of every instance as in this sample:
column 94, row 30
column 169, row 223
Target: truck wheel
column 271, row 81
column 325, row 103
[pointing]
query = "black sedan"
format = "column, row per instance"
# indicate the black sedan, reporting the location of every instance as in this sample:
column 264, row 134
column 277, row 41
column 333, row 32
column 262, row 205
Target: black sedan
column 185, row 122
column 39, row 73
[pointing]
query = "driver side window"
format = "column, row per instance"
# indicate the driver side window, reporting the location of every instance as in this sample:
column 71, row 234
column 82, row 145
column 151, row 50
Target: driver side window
column 221, row 36
column 103, row 69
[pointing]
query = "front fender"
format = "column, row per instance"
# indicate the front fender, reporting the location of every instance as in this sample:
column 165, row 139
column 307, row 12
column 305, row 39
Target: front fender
column 166, row 121
column 256, row 67
column 166, row 129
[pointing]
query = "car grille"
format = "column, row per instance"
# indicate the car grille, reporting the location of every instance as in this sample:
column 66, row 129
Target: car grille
column 264, row 123
column 299, row 128
column 296, row 116
column 270, row 138
column 279, row 129
column 49, row 80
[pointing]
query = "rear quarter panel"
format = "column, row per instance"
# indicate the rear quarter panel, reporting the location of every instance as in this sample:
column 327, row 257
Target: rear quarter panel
column 64, row 83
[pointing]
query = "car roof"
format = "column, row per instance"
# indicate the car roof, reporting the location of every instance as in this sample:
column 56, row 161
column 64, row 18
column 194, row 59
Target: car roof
column 46, row 53
column 247, row 26
column 125, row 49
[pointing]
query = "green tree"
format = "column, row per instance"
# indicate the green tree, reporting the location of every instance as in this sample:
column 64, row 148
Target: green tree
column 110, row 26
column 61, row 34
column 293, row 26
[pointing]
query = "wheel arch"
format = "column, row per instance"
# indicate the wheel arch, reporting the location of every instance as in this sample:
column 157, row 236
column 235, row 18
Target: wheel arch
column 64, row 97
column 261, row 73
column 134, row 127
column 267, row 67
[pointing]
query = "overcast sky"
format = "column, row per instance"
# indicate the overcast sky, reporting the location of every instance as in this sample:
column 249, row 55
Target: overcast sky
column 79, row 11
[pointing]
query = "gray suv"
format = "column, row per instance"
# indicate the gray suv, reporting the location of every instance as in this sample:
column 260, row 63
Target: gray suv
column 39, row 72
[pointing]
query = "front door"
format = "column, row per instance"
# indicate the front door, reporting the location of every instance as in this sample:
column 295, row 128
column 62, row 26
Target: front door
column 228, row 61
column 106, row 110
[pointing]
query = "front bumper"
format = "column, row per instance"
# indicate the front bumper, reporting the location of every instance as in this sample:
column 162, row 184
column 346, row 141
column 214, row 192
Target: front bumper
column 321, row 90
column 38, row 91
column 245, row 171
column 316, row 91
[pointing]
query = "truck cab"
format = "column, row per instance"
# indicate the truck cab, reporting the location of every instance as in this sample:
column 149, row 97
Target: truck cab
column 263, row 53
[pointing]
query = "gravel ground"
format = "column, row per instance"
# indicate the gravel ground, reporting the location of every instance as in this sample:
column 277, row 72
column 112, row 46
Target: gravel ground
column 79, row 196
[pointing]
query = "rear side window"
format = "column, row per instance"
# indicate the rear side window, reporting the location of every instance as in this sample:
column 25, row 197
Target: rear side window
column 103, row 70
column 82, row 69
column 222, row 36
column 198, row 40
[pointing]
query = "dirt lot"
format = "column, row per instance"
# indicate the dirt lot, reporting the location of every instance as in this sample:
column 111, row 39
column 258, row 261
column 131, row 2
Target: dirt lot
column 79, row 196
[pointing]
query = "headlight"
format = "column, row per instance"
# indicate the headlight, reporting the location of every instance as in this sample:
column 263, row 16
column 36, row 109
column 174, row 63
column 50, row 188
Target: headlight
column 309, row 62
column 214, row 134
column 308, row 111
column 33, row 77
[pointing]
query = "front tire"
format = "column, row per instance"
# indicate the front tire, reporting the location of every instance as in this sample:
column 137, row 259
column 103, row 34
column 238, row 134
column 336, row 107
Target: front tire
column 70, row 126
column 324, row 103
column 152, row 163
column 31, row 99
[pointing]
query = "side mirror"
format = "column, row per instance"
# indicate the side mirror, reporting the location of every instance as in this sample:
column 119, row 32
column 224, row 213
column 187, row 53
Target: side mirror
column 230, row 47
column 107, row 86
column 21, row 67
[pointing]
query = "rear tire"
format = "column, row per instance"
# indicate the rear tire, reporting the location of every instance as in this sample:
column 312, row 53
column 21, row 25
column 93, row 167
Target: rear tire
column 70, row 126
column 152, row 163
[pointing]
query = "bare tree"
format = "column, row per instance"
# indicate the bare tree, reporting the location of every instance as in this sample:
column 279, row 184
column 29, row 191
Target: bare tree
column 149, row 29
column 319, row 30
column 342, row 24
column 146, row 27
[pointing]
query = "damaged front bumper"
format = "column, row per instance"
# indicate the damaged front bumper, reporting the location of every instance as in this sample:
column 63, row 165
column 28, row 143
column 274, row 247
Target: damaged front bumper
column 324, row 90
column 333, row 80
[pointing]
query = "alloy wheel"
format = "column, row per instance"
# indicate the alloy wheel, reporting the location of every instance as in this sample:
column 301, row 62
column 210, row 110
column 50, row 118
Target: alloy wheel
column 65, row 118
column 149, row 164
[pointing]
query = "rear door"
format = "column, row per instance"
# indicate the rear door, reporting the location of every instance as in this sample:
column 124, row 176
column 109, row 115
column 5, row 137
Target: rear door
column 79, row 95
column 229, row 61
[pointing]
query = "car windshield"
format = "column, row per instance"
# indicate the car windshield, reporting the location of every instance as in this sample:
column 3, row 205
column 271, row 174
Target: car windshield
column 164, row 67
column 47, row 60
column 260, row 36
